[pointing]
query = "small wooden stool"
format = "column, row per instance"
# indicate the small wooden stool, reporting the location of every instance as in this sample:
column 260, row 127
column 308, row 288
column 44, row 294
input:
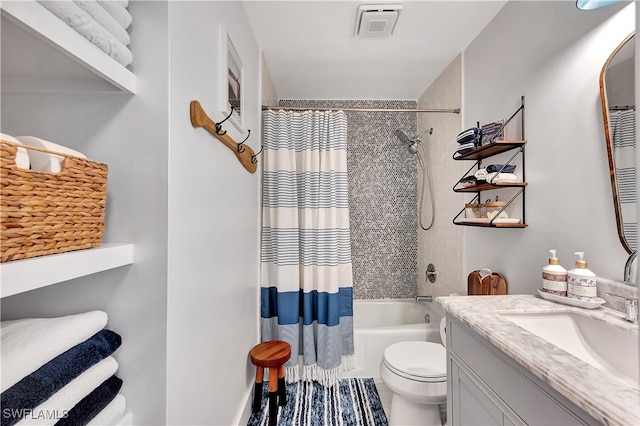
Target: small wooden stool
column 272, row 355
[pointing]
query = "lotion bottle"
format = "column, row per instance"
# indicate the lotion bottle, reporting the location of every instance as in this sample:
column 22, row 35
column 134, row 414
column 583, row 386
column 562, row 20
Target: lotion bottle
column 581, row 281
column 554, row 277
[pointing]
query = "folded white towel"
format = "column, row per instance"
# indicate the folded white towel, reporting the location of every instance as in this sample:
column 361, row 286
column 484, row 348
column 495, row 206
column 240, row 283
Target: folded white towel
column 112, row 413
column 501, row 177
column 118, row 12
column 104, row 18
column 72, row 15
column 22, row 156
column 44, row 161
column 481, row 174
column 66, row 398
column 28, row 344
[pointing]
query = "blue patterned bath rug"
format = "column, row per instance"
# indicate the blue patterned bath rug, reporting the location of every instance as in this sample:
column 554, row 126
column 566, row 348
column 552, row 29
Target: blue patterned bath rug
column 353, row 402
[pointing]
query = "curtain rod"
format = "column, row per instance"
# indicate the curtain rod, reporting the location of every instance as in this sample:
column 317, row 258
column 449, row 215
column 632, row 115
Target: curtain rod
column 451, row 111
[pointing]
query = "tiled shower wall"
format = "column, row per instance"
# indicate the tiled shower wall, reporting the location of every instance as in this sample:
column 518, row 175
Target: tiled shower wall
column 382, row 197
column 442, row 244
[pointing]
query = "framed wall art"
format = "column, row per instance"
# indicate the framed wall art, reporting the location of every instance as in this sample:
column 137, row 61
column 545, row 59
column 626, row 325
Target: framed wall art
column 231, row 81
column 490, row 130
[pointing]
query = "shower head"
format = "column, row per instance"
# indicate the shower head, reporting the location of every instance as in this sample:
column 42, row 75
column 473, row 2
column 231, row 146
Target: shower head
column 403, row 137
column 412, row 143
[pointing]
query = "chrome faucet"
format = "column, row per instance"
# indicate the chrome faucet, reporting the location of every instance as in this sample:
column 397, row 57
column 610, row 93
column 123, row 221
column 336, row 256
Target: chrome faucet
column 630, row 268
column 424, row 298
column 630, row 308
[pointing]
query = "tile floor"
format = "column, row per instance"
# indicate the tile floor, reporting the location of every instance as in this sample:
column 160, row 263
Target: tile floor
column 385, row 398
column 385, row 395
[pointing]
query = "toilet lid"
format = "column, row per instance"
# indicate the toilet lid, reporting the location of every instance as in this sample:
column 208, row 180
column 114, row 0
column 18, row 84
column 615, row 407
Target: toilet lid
column 424, row 361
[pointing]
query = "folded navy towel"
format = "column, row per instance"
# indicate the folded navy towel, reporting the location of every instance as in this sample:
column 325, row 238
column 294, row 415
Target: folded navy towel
column 463, row 149
column 470, row 135
column 495, row 168
column 89, row 406
column 40, row 385
column 468, row 181
column 468, row 145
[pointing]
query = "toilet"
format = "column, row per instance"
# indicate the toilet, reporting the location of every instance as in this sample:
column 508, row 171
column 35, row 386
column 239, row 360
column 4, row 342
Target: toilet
column 416, row 374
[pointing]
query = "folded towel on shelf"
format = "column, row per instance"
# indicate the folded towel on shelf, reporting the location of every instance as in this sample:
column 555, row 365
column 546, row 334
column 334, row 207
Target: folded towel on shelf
column 104, row 18
column 87, row 409
column 501, row 177
column 38, row 386
column 494, row 168
column 112, row 413
column 44, row 161
column 66, row 398
column 22, row 156
column 468, row 181
column 481, row 174
column 464, row 148
column 28, row 344
column 118, row 11
column 469, row 135
column 72, row 15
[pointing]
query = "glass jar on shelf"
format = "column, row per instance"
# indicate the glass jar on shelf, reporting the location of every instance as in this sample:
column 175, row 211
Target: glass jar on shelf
column 474, row 210
column 492, row 208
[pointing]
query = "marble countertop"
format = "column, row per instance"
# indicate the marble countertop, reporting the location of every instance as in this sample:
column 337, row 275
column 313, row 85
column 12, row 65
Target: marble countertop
column 606, row 398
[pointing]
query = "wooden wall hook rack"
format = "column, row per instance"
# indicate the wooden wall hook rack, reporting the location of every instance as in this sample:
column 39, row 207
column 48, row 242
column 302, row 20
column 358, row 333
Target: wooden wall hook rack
column 246, row 155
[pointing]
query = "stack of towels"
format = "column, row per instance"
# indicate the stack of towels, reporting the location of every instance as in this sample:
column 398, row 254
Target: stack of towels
column 103, row 22
column 496, row 173
column 38, row 160
column 468, row 141
column 60, row 371
column 493, row 173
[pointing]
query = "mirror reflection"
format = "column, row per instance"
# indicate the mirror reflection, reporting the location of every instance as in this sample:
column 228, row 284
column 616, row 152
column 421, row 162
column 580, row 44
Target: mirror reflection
column 617, row 92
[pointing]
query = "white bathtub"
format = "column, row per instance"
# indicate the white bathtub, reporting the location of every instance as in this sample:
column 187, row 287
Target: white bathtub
column 380, row 323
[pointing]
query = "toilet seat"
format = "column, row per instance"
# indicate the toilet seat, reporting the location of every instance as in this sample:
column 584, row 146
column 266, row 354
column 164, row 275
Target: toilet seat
column 417, row 361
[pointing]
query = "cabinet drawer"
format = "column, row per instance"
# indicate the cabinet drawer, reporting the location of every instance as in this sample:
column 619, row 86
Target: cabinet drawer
column 533, row 404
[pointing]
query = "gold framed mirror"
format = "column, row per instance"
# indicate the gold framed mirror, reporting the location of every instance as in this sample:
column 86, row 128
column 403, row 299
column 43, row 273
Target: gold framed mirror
column 617, row 95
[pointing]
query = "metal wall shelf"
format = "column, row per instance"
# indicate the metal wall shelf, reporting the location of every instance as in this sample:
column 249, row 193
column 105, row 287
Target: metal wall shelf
column 495, row 147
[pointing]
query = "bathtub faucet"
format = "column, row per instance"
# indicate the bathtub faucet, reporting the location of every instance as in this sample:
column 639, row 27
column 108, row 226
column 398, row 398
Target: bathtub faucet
column 424, row 298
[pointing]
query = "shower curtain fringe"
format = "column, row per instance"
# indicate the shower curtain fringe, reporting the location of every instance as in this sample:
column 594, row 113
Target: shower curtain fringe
column 315, row 373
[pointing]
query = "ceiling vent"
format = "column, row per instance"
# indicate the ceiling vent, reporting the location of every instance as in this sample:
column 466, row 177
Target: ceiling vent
column 377, row 20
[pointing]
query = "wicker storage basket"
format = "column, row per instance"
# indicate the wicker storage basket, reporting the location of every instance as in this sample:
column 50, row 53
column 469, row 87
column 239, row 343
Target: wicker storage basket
column 45, row 213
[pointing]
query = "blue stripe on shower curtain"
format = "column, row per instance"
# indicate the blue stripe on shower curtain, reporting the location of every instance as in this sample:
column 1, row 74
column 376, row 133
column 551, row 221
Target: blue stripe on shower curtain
column 291, row 307
column 306, row 287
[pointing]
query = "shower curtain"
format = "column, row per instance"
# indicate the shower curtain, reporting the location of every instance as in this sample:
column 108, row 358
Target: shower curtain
column 306, row 288
column 623, row 129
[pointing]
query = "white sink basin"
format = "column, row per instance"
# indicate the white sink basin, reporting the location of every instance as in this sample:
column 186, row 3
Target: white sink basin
column 596, row 342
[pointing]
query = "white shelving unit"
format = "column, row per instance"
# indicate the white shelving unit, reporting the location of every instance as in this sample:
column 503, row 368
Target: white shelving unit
column 18, row 276
column 41, row 54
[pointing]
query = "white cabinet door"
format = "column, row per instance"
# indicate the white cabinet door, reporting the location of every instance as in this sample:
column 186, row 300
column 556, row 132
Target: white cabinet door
column 471, row 407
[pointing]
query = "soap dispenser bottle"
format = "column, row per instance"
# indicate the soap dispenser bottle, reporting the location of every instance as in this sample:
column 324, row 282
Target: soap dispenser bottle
column 554, row 277
column 581, row 282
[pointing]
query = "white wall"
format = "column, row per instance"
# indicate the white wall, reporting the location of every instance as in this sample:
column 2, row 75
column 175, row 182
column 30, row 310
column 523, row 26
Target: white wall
column 551, row 53
column 213, row 223
column 442, row 244
column 269, row 93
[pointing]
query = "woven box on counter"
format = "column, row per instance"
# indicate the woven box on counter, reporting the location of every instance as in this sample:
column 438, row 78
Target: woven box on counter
column 45, row 213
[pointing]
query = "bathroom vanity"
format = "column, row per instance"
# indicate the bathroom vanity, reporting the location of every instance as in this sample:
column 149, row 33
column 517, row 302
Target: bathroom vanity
column 519, row 359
